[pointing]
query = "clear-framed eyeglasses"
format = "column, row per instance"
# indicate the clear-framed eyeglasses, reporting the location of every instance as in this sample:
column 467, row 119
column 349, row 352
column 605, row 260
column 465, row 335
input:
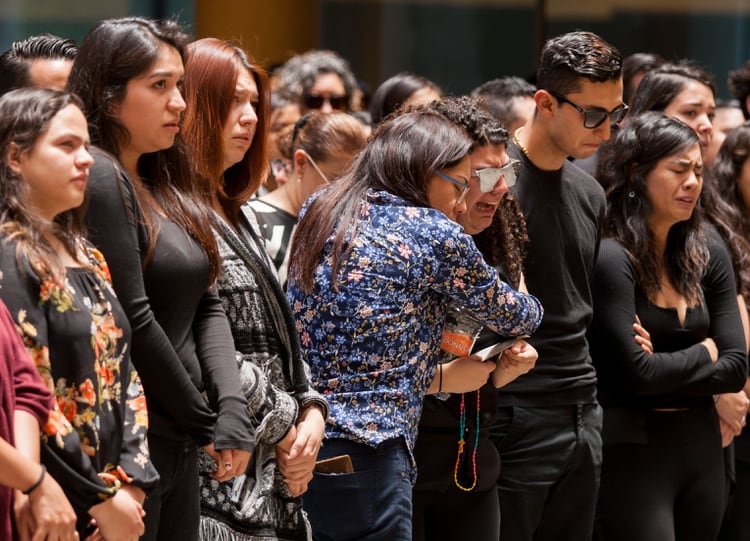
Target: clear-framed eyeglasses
column 460, row 183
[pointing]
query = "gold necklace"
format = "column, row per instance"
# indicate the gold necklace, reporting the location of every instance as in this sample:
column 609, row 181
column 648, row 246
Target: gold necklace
column 518, row 143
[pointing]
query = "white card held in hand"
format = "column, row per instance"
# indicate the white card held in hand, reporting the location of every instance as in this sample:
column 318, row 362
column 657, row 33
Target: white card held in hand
column 496, row 349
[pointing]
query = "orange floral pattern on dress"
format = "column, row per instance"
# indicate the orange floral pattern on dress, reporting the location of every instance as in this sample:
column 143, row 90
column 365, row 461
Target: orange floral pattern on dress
column 87, row 405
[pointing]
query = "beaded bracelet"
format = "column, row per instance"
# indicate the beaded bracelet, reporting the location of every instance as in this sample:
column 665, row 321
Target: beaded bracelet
column 36, row 484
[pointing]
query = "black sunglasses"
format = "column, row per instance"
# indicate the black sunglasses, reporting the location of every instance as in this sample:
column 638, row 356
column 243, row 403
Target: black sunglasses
column 596, row 117
column 316, row 101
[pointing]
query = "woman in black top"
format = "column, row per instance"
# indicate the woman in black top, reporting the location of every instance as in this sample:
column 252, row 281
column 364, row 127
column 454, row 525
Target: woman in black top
column 146, row 217
column 686, row 91
column 319, row 147
column 662, row 475
column 727, row 207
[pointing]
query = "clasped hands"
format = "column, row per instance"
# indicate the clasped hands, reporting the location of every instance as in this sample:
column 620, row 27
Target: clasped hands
column 230, row 463
column 297, row 452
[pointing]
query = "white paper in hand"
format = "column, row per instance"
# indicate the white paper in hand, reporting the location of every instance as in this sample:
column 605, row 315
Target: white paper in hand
column 495, row 349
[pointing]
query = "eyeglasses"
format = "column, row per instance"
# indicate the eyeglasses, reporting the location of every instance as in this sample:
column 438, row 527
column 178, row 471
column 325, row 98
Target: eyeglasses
column 316, row 101
column 462, row 184
column 490, row 176
column 279, row 166
column 596, row 117
column 315, row 166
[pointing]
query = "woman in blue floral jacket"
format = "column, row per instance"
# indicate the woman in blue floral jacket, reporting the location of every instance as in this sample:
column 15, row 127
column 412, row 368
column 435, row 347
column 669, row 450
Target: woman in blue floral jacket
column 375, row 261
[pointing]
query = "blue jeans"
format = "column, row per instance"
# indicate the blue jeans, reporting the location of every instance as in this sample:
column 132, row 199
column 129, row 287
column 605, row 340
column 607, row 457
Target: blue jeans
column 373, row 503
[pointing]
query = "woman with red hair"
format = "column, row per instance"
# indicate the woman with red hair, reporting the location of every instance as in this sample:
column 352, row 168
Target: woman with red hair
column 226, row 128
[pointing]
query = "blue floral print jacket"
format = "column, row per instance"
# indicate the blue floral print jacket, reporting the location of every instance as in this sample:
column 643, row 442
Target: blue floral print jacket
column 373, row 344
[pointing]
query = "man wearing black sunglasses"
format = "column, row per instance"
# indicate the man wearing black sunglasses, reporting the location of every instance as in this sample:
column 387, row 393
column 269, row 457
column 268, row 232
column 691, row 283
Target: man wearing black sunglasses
column 548, row 431
column 318, row 80
column 327, row 104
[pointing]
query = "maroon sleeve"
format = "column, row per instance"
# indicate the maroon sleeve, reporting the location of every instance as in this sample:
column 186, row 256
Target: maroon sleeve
column 31, row 393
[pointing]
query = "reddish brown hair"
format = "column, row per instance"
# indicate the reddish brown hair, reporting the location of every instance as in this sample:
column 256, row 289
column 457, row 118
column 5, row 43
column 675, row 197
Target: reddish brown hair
column 211, row 72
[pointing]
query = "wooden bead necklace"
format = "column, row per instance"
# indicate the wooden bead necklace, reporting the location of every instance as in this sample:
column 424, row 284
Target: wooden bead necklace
column 462, row 442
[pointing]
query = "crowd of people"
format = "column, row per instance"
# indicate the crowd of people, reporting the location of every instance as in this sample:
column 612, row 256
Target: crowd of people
column 244, row 304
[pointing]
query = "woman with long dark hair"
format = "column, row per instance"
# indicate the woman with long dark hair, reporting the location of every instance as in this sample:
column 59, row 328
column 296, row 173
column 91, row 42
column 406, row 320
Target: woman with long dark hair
column 455, row 495
column 376, row 259
column 663, row 468
column 727, row 207
column 147, row 216
column 681, row 90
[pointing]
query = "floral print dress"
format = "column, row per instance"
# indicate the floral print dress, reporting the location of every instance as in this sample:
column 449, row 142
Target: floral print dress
column 79, row 338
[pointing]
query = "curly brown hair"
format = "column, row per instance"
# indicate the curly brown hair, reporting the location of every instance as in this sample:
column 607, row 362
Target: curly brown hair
column 505, row 243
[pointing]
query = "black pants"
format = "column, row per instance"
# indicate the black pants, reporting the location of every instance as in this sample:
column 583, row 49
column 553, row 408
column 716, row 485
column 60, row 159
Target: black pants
column 550, row 459
column 736, row 526
column 453, row 515
column 173, row 507
column 668, row 489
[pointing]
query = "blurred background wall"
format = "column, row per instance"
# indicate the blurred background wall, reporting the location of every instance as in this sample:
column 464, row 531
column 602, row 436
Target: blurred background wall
column 457, row 43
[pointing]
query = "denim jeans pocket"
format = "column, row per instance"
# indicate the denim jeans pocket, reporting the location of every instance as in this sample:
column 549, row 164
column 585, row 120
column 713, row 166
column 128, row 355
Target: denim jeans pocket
column 340, row 506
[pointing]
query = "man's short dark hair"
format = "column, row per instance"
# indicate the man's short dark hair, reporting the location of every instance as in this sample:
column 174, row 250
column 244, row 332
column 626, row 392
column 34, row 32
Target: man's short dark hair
column 499, row 96
column 568, row 58
column 637, row 64
column 16, row 61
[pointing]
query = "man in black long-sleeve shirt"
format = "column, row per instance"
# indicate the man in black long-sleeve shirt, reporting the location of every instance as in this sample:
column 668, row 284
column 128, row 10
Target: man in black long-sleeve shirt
column 549, row 422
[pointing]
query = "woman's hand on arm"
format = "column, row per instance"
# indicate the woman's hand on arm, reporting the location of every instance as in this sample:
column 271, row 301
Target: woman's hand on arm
column 713, row 350
column 727, row 433
column 53, row 515
column 298, row 486
column 45, row 512
column 642, row 336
